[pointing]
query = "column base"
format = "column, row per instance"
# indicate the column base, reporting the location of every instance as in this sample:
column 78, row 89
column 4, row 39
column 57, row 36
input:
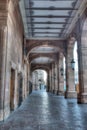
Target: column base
column 82, row 98
column 53, row 91
column 1, row 115
column 47, row 91
column 71, row 94
column 60, row 93
column 50, row 91
column 56, row 92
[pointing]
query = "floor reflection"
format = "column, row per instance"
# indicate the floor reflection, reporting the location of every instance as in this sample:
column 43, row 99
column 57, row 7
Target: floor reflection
column 45, row 111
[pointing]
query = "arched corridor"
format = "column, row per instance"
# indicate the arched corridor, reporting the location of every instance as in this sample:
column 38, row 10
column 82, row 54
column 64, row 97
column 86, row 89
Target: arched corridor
column 43, row 64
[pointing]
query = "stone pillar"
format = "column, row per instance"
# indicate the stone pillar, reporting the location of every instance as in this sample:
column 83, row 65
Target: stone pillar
column 3, row 40
column 48, row 81
column 51, row 89
column 1, row 75
column 53, row 80
column 50, row 71
column 28, row 78
column 61, row 77
column 82, row 60
column 56, row 78
column 70, row 81
column 25, row 76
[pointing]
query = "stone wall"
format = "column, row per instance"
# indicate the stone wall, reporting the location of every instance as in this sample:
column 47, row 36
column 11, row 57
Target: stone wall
column 11, row 58
column 14, row 53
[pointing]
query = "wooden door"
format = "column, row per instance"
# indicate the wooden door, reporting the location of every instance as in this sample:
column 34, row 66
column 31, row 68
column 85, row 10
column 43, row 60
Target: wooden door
column 12, row 88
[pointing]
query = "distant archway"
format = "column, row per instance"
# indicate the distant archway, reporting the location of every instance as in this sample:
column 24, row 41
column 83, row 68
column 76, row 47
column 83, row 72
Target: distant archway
column 39, row 80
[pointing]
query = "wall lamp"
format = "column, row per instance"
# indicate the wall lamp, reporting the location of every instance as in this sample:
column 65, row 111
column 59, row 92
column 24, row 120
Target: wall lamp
column 73, row 64
column 62, row 71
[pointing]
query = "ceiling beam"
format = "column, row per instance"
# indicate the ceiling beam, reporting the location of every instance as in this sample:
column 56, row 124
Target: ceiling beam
column 52, row 8
column 48, row 28
column 30, row 14
column 46, row 36
column 49, row 22
column 47, row 32
column 50, row 16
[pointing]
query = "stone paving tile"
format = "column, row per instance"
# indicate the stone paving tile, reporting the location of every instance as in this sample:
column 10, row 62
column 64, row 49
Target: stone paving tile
column 45, row 111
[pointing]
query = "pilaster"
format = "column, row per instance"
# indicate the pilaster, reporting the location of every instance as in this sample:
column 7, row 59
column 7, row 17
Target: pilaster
column 50, row 80
column 3, row 50
column 82, row 60
column 53, row 80
column 61, row 77
column 70, row 83
column 56, row 78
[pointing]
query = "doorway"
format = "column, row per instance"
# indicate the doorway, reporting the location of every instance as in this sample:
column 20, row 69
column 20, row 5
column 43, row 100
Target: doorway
column 12, row 89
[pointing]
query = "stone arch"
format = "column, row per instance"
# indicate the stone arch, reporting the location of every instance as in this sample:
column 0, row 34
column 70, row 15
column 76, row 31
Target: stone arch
column 41, row 67
column 34, row 56
column 57, row 44
column 36, row 77
column 84, row 33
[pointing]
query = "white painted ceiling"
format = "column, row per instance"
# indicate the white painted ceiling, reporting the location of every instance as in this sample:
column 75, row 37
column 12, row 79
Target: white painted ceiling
column 44, row 49
column 48, row 18
column 42, row 60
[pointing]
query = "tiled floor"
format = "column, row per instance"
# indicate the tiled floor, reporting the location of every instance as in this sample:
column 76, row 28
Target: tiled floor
column 45, row 111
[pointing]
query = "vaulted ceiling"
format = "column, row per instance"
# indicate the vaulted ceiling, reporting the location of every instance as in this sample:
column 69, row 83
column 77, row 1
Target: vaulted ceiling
column 47, row 24
column 49, row 18
column 44, row 51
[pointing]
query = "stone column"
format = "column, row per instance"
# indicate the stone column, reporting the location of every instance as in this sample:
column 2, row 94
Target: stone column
column 82, row 60
column 70, row 81
column 3, row 40
column 28, row 78
column 51, row 90
column 25, row 77
column 53, row 80
column 23, row 84
column 56, row 78
column 61, row 77
column 50, row 80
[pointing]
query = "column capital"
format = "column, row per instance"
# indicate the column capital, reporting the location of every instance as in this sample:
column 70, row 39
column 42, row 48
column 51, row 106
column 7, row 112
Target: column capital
column 71, row 40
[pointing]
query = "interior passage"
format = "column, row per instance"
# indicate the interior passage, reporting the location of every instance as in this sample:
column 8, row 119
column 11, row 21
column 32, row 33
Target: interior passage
column 45, row 111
